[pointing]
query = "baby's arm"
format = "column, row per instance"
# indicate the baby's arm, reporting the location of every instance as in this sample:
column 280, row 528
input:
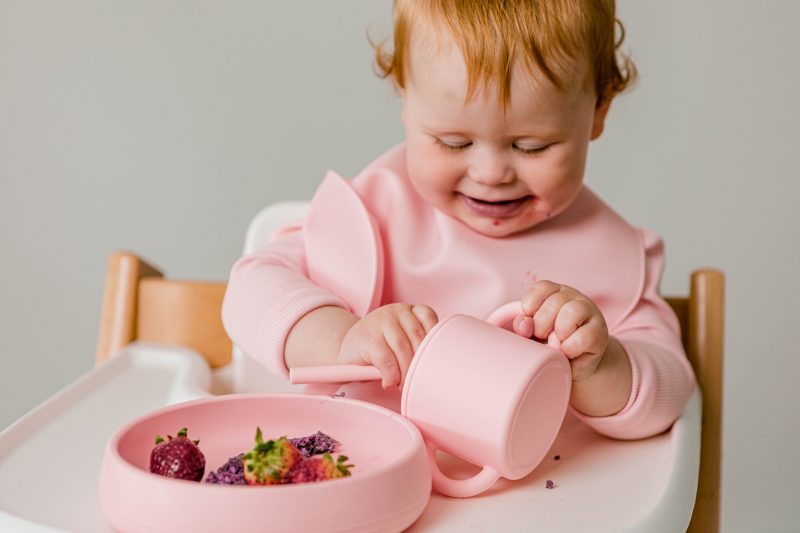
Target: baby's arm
column 307, row 346
column 643, row 356
column 268, row 293
column 662, row 377
column 601, row 372
column 276, row 315
column 386, row 338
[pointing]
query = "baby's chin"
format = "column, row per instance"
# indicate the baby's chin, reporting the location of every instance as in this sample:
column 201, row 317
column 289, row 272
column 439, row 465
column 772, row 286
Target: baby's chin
column 500, row 229
column 497, row 227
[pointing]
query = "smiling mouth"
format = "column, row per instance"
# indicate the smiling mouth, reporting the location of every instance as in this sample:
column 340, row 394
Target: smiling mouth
column 499, row 209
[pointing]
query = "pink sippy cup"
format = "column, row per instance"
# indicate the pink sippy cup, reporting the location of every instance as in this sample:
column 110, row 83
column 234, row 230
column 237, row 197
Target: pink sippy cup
column 479, row 392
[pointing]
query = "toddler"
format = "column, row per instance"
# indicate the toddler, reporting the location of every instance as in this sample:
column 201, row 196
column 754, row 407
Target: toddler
column 484, row 203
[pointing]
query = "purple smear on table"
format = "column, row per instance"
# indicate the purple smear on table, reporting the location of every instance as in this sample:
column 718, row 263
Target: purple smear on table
column 231, row 473
column 314, row 444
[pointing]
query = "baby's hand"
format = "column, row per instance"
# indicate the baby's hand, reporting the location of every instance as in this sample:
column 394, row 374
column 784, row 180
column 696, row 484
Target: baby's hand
column 578, row 324
column 387, row 338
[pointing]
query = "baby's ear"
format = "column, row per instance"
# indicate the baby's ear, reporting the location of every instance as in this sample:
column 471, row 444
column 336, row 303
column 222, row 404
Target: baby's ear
column 600, row 112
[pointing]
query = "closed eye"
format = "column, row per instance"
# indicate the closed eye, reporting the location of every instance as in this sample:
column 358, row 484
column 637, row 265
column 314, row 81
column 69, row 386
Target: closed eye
column 531, row 151
column 450, row 146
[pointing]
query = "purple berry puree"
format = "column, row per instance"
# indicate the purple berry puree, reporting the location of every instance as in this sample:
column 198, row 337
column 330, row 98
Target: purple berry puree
column 314, row 444
column 231, row 473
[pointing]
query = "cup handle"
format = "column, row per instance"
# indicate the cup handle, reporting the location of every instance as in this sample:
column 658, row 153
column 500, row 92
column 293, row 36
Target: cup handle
column 459, row 488
column 333, row 374
column 508, row 312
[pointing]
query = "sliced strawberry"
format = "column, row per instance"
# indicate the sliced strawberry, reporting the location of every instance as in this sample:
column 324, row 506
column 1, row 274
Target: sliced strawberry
column 319, row 468
column 269, row 462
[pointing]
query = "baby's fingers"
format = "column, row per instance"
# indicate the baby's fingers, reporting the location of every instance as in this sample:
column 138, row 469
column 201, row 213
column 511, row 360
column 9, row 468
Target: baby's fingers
column 545, row 318
column 382, row 356
column 403, row 349
column 585, row 348
column 414, row 328
column 523, row 325
column 572, row 315
column 587, row 339
column 426, row 316
column 534, row 297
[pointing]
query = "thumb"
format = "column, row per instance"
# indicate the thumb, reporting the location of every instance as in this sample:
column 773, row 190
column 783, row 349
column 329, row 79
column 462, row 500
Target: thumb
column 523, row 325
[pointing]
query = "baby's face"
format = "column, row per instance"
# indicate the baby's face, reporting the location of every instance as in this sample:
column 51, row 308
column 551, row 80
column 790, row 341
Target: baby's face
column 500, row 171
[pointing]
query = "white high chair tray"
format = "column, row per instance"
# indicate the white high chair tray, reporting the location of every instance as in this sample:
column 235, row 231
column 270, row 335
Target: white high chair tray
column 50, row 460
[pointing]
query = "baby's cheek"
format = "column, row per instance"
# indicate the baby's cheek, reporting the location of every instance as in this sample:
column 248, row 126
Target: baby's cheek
column 430, row 181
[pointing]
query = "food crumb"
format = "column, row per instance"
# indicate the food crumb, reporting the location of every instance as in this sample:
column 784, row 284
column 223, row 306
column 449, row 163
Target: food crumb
column 549, row 484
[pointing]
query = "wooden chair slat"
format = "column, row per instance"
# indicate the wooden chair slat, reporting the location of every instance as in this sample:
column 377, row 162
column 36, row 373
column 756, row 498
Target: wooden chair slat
column 118, row 314
column 704, row 348
column 185, row 313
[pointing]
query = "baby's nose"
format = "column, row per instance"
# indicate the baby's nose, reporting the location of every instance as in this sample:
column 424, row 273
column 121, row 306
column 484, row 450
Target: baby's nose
column 491, row 169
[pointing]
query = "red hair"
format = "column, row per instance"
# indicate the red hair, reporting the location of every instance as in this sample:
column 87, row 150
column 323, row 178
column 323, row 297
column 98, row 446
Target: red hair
column 547, row 35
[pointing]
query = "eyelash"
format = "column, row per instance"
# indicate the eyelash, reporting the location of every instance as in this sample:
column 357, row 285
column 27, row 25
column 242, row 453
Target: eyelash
column 460, row 147
column 532, row 151
column 450, row 147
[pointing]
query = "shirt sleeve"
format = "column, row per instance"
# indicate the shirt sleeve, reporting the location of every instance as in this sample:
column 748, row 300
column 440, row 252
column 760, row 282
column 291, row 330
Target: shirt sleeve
column 268, row 292
column 663, row 379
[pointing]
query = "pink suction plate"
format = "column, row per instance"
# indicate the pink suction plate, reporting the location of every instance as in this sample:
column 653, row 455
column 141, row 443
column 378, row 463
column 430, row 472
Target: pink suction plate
column 388, row 489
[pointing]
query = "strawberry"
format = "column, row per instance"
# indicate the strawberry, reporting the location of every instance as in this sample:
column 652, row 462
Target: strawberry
column 178, row 457
column 318, row 468
column 269, row 462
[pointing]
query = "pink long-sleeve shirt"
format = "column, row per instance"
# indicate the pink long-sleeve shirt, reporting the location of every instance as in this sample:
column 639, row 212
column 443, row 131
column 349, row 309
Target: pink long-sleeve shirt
column 430, row 258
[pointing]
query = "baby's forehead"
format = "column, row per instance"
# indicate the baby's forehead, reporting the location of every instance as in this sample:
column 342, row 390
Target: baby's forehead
column 434, row 54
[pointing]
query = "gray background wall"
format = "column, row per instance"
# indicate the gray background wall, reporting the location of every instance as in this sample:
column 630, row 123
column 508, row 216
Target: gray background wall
column 163, row 127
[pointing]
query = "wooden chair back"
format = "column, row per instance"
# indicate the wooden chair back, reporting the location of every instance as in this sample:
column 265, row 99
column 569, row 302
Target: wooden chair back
column 139, row 304
column 702, row 318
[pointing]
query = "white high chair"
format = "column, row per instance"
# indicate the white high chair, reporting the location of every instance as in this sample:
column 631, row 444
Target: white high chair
column 140, row 305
